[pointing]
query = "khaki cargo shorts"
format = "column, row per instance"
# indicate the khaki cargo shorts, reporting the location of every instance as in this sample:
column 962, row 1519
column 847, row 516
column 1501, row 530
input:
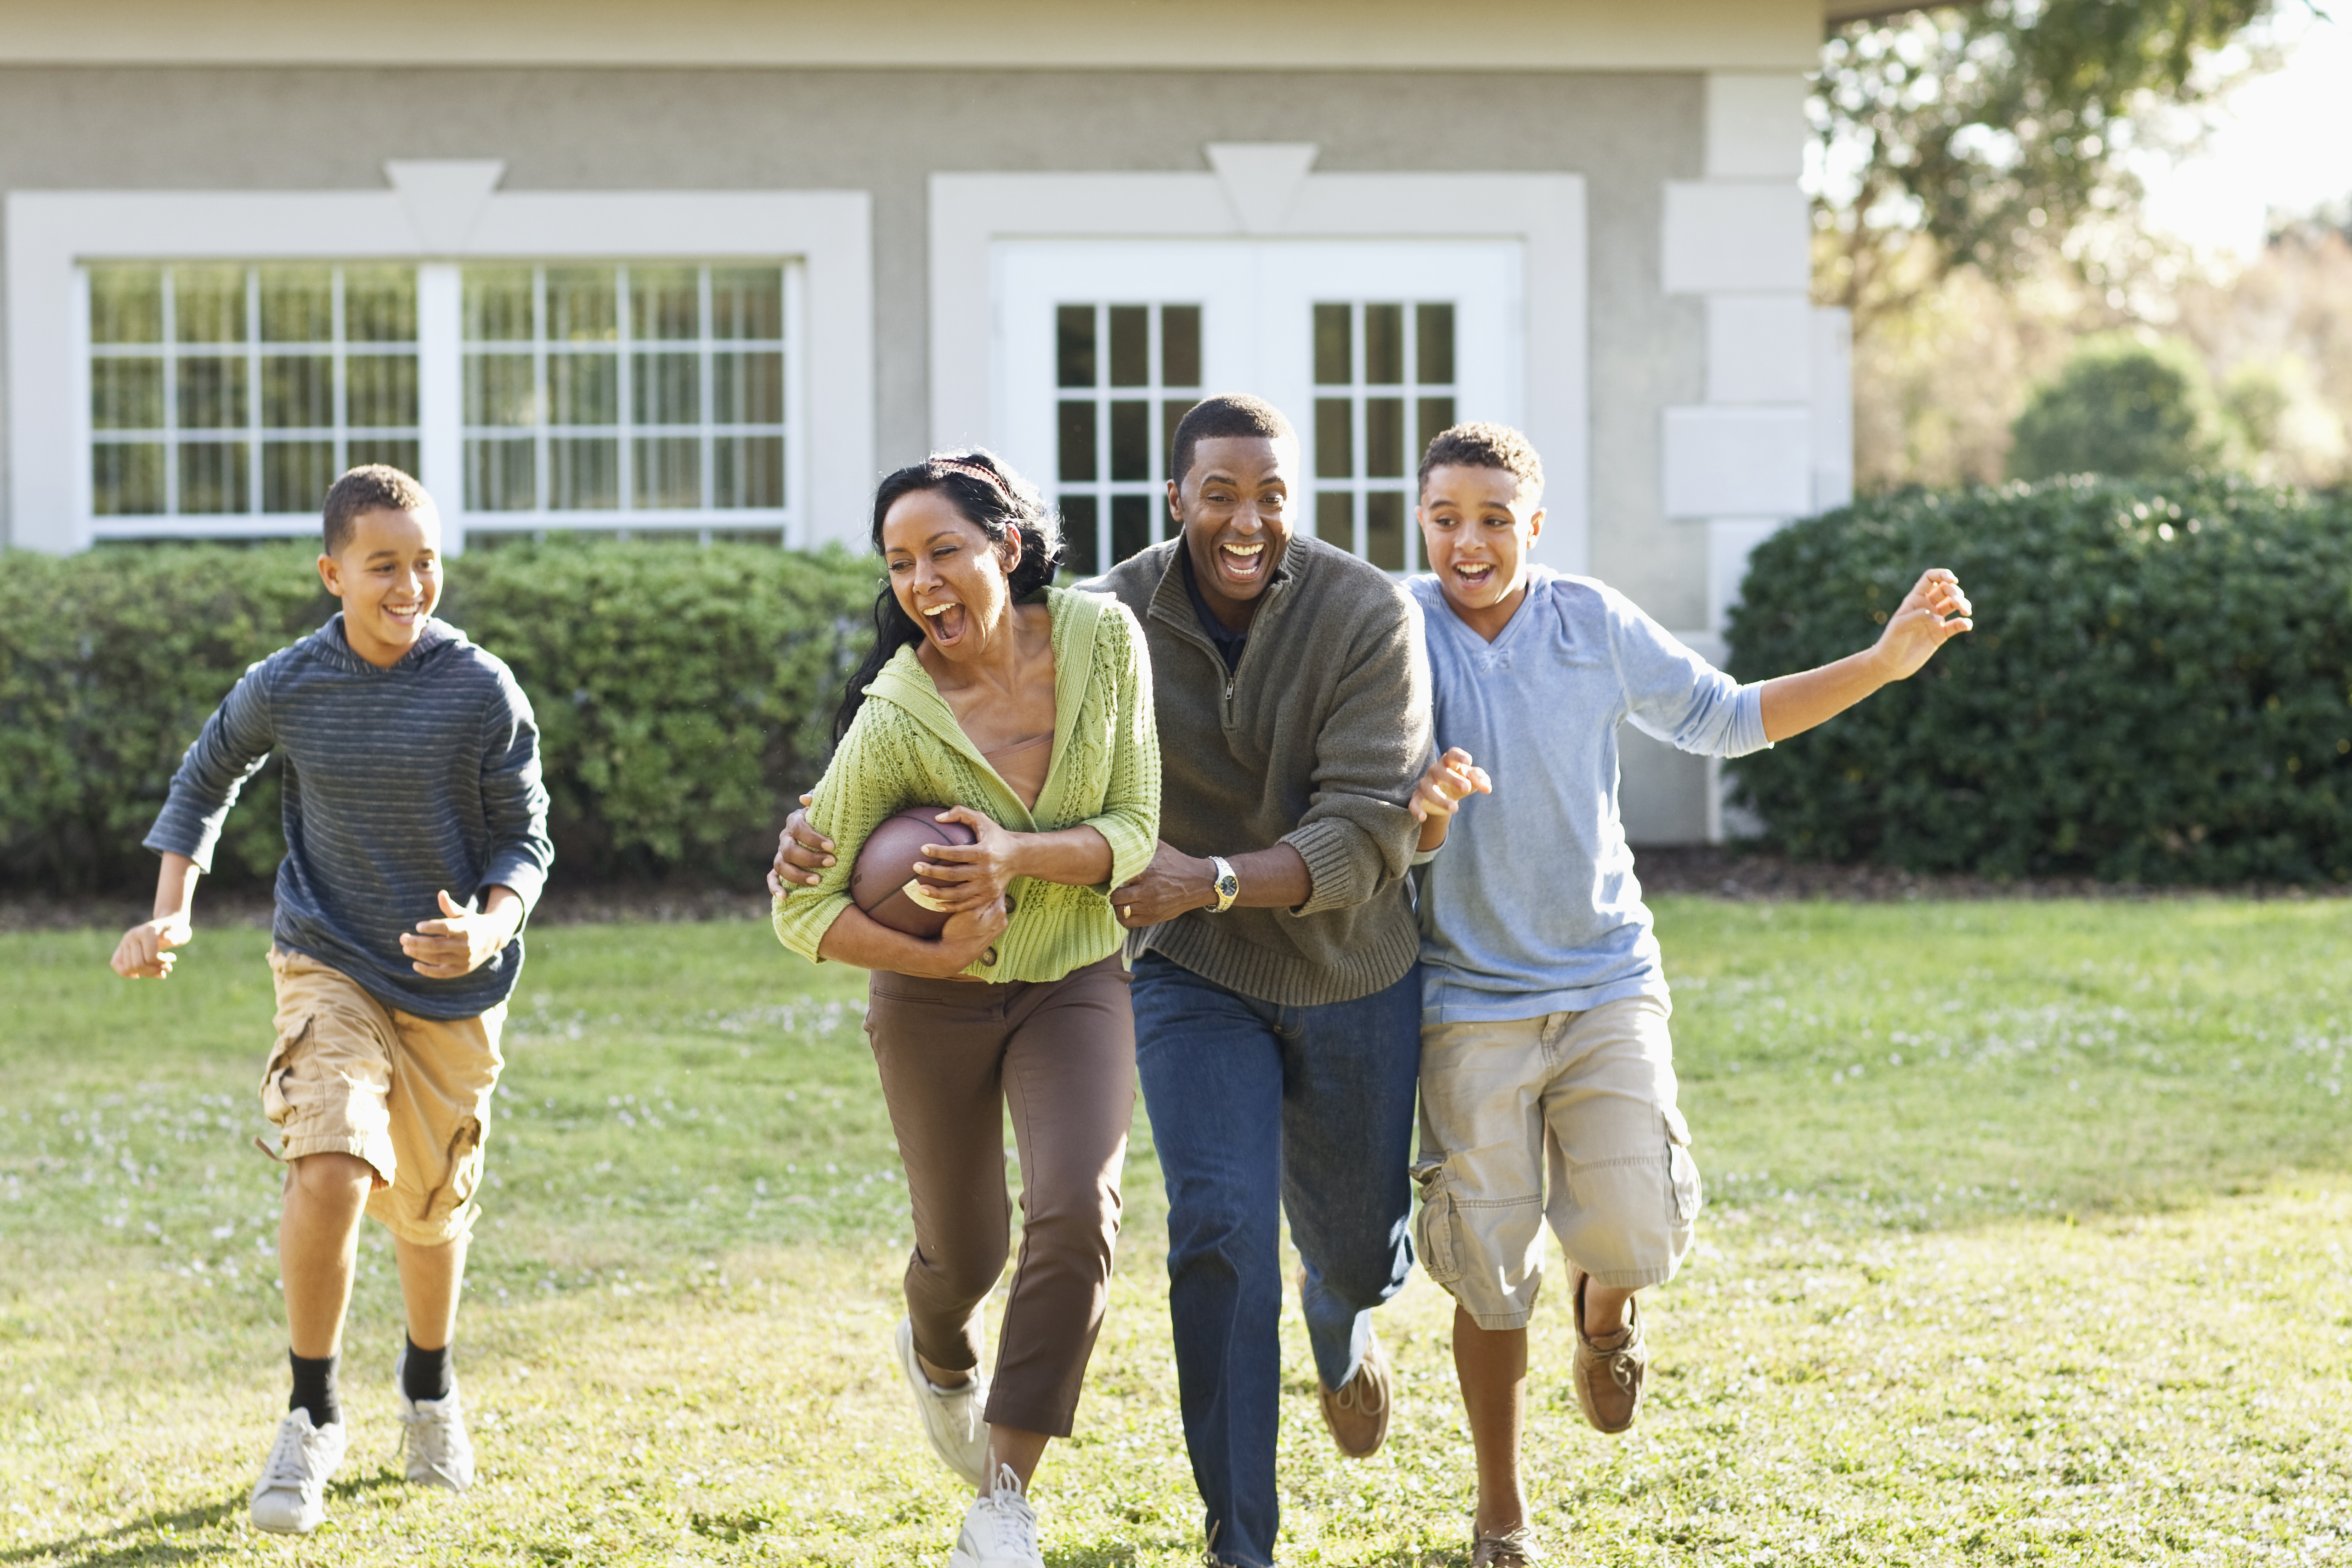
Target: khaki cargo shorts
column 1584, row 1099
column 410, row 1096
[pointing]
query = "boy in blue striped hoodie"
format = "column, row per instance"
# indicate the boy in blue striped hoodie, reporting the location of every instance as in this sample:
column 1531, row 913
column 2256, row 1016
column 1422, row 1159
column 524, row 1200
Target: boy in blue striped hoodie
column 1546, row 1072
column 416, row 845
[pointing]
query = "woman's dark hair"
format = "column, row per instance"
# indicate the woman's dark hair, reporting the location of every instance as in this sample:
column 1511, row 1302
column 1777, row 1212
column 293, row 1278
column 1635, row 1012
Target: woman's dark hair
column 993, row 498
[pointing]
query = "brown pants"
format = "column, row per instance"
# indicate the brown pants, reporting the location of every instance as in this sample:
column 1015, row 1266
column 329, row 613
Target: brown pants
column 953, row 1055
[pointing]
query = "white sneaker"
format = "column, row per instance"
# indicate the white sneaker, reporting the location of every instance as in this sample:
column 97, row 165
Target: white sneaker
column 1000, row 1529
column 290, row 1497
column 953, row 1419
column 433, row 1433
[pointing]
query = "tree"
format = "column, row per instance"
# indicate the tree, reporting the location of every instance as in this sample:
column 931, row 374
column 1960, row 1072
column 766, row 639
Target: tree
column 1996, row 134
column 2125, row 409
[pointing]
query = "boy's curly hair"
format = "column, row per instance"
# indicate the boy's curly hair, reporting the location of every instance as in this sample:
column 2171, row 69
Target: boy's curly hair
column 373, row 486
column 1482, row 445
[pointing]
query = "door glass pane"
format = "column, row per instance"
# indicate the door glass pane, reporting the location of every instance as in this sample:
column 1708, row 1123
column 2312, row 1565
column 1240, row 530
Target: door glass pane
column 498, row 304
column 1077, row 442
column 666, row 389
column 665, row 302
column 1335, row 357
column 1130, row 345
column 1130, row 525
column 213, row 478
column 298, row 304
column 583, row 389
column 295, row 475
column 1335, row 450
column 380, row 304
column 1335, row 518
column 1385, row 438
column 667, row 471
column 1179, row 345
column 1383, row 344
column 126, row 304
column 208, row 304
column 212, row 394
column 748, row 303
column 1131, row 440
column 1436, row 416
column 584, row 473
column 381, row 389
column 1434, row 344
column 1078, row 521
column 298, row 393
column 580, row 305
column 749, row 470
column 498, row 390
column 1074, row 345
column 127, row 480
column 1384, row 529
column 501, row 475
column 126, row 394
column 747, row 388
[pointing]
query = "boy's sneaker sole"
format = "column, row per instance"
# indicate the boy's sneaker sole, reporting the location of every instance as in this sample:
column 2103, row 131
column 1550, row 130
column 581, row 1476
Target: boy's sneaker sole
column 290, row 1497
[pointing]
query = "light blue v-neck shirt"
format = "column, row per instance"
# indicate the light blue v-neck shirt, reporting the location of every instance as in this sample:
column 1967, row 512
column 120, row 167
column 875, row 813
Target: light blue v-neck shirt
column 1532, row 906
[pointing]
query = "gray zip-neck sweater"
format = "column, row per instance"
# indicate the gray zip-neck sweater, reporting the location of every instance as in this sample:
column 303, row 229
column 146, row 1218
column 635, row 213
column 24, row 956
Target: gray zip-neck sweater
column 399, row 782
column 1316, row 739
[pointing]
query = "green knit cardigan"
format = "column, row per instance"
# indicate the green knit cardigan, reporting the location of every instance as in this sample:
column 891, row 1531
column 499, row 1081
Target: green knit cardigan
column 904, row 748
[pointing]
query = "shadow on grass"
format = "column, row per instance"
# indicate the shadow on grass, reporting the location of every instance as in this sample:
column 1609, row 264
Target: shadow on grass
column 94, row 1548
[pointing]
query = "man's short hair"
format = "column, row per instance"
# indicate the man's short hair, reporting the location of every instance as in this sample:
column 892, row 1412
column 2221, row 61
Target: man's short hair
column 1480, row 446
column 1226, row 414
column 374, row 487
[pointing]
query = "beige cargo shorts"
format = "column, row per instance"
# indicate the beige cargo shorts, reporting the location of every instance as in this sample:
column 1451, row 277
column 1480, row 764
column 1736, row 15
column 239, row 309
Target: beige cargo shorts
column 410, row 1096
column 1569, row 1118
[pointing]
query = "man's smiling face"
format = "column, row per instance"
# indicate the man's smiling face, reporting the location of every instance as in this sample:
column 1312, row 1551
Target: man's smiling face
column 1235, row 502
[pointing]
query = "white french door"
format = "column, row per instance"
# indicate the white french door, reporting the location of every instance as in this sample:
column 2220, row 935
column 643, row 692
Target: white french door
column 1370, row 347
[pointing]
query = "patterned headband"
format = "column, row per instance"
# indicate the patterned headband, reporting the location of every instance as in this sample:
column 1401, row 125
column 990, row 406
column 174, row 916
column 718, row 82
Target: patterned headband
column 972, row 470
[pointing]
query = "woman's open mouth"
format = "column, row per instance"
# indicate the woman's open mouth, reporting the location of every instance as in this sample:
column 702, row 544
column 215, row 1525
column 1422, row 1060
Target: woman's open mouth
column 944, row 622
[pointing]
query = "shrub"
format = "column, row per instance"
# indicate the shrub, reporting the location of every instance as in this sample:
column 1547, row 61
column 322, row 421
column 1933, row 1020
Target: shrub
column 2123, row 408
column 2158, row 688
column 681, row 691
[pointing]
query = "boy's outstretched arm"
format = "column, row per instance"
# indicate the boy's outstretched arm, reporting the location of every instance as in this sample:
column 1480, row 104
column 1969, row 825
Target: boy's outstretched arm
column 145, row 950
column 1932, row 613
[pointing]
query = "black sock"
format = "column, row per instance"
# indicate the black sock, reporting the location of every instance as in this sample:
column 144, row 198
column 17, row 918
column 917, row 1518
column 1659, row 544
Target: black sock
column 425, row 1373
column 314, row 1388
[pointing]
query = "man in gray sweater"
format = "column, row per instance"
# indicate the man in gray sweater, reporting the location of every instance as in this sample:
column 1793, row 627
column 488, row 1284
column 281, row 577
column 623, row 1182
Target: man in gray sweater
column 1275, row 954
column 415, row 843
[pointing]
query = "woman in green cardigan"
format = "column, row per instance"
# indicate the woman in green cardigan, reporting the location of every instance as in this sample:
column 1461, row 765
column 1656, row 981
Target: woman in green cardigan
column 1026, row 711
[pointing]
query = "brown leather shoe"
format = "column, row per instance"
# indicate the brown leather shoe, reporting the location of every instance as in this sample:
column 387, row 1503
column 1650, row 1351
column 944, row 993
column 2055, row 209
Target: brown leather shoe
column 1609, row 1373
column 1357, row 1412
column 1511, row 1549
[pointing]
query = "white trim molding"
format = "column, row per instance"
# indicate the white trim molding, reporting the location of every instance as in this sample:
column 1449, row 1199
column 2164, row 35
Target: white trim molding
column 1270, row 191
column 433, row 212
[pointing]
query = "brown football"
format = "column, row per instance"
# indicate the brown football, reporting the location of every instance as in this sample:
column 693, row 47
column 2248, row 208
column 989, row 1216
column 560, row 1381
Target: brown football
column 879, row 881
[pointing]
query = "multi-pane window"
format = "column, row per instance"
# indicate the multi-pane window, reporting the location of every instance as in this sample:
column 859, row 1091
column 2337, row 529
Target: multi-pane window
column 219, row 390
column 625, row 389
column 1383, row 385
column 1127, row 374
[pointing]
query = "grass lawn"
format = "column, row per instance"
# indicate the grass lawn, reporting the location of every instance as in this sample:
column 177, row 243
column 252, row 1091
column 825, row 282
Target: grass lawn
column 2024, row 1244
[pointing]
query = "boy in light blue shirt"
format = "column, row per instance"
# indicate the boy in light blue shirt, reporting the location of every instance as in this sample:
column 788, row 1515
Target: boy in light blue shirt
column 1546, row 1071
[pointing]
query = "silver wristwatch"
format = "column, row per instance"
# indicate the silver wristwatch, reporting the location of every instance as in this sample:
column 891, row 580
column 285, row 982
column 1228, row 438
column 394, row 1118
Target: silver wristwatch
column 1227, row 886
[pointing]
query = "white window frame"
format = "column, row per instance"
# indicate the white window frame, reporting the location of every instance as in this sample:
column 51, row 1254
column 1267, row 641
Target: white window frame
column 1269, row 189
column 441, row 215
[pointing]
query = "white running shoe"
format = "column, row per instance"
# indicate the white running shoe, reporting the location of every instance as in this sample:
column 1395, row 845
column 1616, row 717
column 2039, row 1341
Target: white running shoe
column 433, row 1433
column 953, row 1419
column 290, row 1497
column 1000, row 1529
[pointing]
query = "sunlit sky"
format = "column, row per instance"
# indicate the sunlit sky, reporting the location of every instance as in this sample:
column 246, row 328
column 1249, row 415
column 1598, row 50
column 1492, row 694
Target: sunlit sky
column 2281, row 142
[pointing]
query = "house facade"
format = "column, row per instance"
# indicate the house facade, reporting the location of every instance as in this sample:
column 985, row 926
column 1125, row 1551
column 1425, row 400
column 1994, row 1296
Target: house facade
column 712, row 267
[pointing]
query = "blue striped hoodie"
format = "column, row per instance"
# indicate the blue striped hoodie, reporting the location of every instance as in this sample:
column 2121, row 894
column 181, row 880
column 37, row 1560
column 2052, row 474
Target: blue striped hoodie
column 398, row 783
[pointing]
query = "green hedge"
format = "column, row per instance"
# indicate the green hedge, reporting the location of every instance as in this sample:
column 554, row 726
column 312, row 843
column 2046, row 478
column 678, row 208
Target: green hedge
column 2158, row 688
column 683, row 693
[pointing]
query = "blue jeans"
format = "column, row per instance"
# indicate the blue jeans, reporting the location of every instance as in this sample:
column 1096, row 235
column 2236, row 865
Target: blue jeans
column 1248, row 1101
